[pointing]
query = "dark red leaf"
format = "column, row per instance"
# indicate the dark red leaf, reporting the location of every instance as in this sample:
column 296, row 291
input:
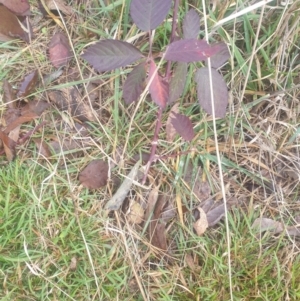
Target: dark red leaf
column 221, row 56
column 159, row 89
column 107, row 55
column 177, row 82
column 59, row 50
column 18, row 7
column 134, row 83
column 189, row 50
column 220, row 91
column 10, row 27
column 183, row 126
column 191, row 25
column 94, row 175
column 148, row 14
column 28, row 84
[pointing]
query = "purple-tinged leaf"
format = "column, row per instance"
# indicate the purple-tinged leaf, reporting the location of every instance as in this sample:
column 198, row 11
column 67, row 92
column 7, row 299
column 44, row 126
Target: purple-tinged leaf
column 134, row 83
column 107, row 55
column 59, row 50
column 183, row 126
column 191, row 25
column 177, row 82
column 189, row 50
column 221, row 56
column 159, row 89
column 220, row 91
column 148, row 14
column 28, row 84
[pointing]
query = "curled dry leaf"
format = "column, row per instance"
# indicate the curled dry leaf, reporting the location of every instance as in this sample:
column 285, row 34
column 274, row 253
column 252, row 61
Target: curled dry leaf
column 59, row 50
column 136, row 213
column 10, row 27
column 201, row 224
column 157, row 225
column 94, row 175
column 170, row 130
column 18, row 7
column 58, row 5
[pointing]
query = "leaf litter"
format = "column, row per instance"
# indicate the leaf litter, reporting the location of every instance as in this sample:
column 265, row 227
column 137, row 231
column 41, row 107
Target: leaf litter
column 159, row 210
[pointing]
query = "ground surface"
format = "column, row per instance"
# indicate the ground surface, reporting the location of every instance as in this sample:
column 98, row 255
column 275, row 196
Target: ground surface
column 56, row 240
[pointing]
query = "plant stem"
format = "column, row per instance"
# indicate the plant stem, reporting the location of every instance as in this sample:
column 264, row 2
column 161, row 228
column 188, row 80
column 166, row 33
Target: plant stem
column 160, row 110
column 174, row 26
column 154, row 143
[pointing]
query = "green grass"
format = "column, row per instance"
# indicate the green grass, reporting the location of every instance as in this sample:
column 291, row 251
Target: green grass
column 56, row 240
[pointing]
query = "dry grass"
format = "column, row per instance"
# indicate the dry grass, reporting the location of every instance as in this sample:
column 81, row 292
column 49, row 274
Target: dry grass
column 56, row 243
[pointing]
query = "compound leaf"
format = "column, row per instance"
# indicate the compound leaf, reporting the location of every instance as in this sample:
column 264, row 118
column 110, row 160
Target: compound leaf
column 221, row 56
column 183, row 126
column 191, row 25
column 109, row 54
column 190, row 50
column 159, row 89
column 177, row 82
column 220, row 92
column 148, row 14
column 134, row 83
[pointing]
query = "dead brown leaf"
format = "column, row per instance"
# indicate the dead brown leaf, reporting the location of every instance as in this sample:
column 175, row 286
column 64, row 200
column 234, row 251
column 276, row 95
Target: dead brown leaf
column 9, row 95
column 18, row 7
column 28, row 84
column 69, row 99
column 170, row 130
column 9, row 146
column 42, row 148
column 94, row 175
column 20, row 120
column 59, row 50
column 10, row 27
column 35, row 106
column 263, row 224
column 59, row 5
column 157, row 227
column 136, row 213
